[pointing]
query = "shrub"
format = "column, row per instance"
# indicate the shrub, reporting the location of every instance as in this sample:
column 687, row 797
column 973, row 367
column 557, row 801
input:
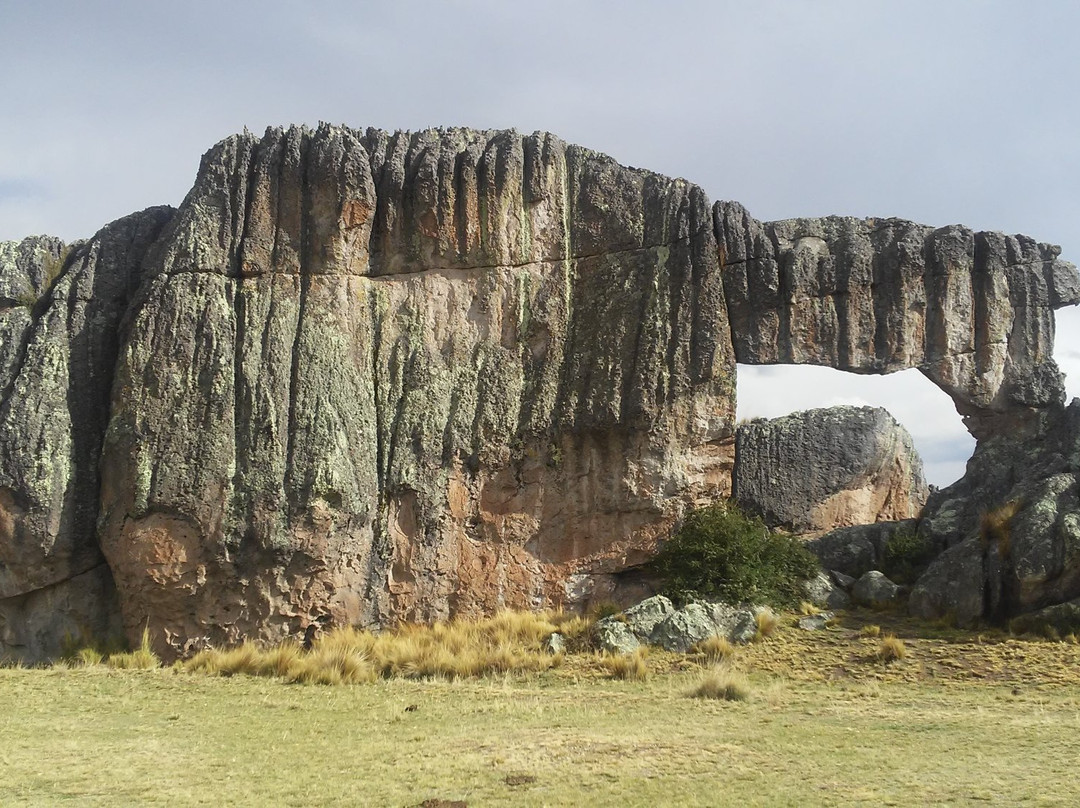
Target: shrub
column 722, row 684
column 719, row 553
column 906, row 555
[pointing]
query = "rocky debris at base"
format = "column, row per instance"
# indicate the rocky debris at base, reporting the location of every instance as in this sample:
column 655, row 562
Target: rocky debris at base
column 816, row 622
column 875, row 590
column 656, row 621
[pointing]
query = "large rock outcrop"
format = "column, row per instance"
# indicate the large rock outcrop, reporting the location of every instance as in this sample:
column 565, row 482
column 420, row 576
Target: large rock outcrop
column 59, row 311
column 817, row 470
column 375, row 376
column 1010, row 527
column 364, row 377
column 972, row 310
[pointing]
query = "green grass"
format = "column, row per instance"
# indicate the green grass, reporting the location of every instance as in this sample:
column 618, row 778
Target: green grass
column 105, row 737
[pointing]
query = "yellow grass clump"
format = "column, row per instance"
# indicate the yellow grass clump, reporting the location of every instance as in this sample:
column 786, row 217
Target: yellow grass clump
column 714, row 649
column 142, row 658
column 629, row 667
column 767, row 623
column 508, row 641
column 891, row 649
column 722, row 684
column 870, row 630
column 995, row 527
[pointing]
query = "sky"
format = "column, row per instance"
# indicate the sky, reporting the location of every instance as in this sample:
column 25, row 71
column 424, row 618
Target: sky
column 952, row 111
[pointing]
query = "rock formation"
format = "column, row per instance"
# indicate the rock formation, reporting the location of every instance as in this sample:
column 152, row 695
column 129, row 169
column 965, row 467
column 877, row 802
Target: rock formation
column 817, row 470
column 402, row 376
column 972, row 310
column 59, row 312
column 1010, row 527
column 361, row 377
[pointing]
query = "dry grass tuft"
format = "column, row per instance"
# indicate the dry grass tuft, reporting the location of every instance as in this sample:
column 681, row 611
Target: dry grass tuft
column 767, row 623
column 870, row 630
column 509, row 641
column 995, row 527
column 629, row 667
column 720, row 683
column 714, row 649
column 807, row 608
column 142, row 658
column 88, row 657
column 891, row 649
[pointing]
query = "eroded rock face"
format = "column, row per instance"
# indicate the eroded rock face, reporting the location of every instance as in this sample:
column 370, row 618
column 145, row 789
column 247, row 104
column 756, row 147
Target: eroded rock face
column 398, row 376
column 59, row 310
column 1011, row 527
column 972, row 310
column 817, row 470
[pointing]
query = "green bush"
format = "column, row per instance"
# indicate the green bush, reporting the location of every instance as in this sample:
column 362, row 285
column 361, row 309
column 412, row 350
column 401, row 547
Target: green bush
column 722, row 554
column 905, row 557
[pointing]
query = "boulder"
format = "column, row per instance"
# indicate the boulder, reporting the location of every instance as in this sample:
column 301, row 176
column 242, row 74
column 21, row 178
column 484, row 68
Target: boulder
column 555, row 644
column 875, row 590
column 643, row 617
column 683, row 629
column 843, row 581
column 737, row 623
column 815, row 622
column 615, row 637
column 852, row 551
column 817, row 470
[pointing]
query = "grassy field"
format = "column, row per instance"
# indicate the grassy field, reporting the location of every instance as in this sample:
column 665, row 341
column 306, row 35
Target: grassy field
column 963, row 719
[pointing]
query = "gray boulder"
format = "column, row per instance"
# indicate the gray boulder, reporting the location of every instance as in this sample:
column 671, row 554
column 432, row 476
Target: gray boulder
column 555, row 644
column 737, row 623
column 815, row 622
column 643, row 617
column 823, row 591
column 874, row 589
column 870, row 472
column 683, row 629
column 615, row 637
column 843, row 581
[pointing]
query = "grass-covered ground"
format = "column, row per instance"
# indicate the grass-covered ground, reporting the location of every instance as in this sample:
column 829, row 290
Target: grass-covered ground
column 962, row 719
